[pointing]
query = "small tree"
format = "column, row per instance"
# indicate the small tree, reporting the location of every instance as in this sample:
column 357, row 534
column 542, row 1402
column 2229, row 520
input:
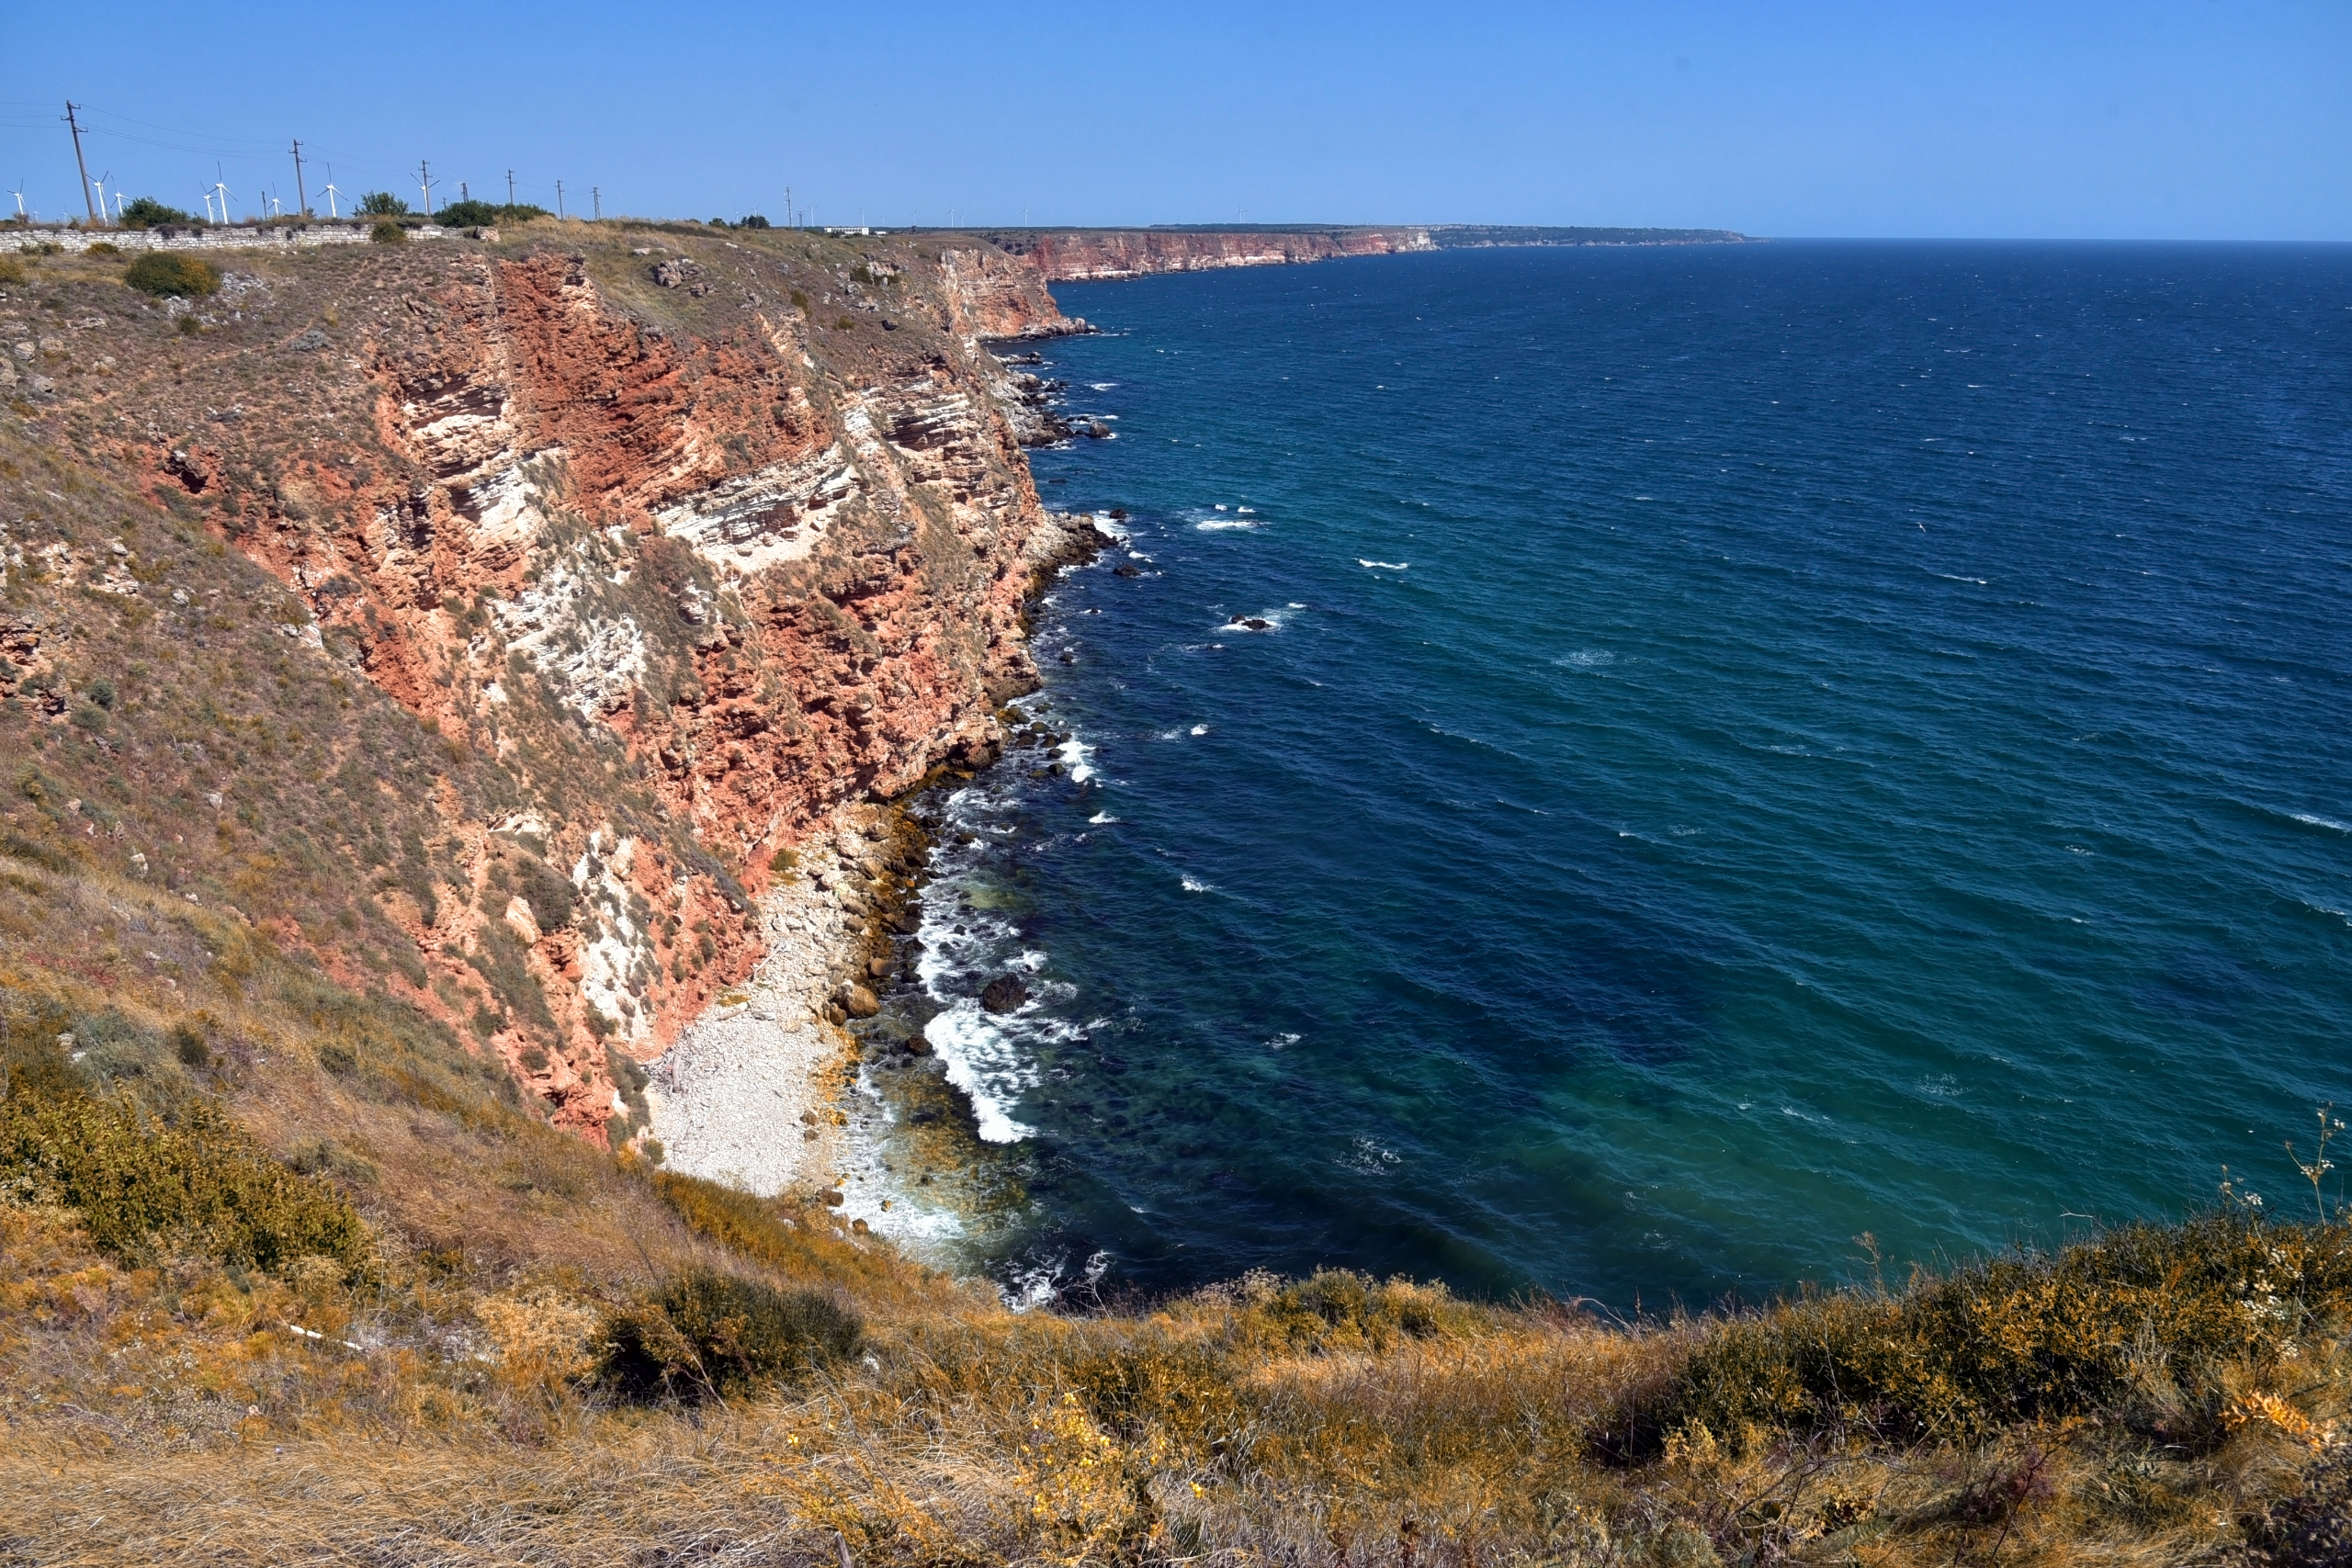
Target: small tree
column 383, row 204
column 387, row 233
column 755, row 221
column 161, row 273
column 148, row 213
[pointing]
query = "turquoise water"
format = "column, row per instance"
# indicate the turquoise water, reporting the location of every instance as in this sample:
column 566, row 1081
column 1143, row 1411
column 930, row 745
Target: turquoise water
column 1749, row 747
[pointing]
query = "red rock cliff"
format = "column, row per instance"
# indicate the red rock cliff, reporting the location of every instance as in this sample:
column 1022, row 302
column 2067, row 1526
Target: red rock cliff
column 689, row 540
column 1074, row 255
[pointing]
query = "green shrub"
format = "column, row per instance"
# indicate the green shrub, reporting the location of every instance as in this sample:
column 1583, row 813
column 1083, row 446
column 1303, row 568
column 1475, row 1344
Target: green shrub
column 148, row 213
column 548, row 892
column 381, row 204
column 144, row 1180
column 189, row 1045
column 388, row 232
column 705, row 1334
column 164, row 273
column 484, row 214
column 104, row 248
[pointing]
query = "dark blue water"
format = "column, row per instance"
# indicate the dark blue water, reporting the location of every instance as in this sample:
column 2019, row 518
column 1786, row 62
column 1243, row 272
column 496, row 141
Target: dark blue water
column 1848, row 737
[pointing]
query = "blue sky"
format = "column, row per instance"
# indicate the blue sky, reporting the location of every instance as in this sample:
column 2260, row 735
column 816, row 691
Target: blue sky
column 2164, row 118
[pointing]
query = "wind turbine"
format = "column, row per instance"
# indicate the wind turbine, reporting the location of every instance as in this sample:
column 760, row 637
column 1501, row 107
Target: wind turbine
column 332, row 193
column 221, row 184
column 19, row 194
column 205, row 191
column 101, row 183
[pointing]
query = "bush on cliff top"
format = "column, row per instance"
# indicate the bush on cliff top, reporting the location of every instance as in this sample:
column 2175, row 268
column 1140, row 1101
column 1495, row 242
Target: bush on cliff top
column 484, row 214
column 162, row 273
column 705, row 1334
column 148, row 213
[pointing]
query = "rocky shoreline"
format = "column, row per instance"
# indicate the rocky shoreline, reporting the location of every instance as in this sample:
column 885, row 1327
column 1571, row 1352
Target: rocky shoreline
column 753, row 1093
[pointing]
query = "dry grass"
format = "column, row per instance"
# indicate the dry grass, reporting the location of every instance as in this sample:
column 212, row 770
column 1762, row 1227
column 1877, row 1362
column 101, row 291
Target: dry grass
column 161, row 1415
column 2149, row 1398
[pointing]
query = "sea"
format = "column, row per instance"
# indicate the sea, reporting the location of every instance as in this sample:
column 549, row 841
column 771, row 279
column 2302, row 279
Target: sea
column 1656, row 776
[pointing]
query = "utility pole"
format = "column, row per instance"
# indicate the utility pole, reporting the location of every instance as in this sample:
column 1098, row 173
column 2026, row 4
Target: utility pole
column 787, row 209
column 510, row 193
column 596, row 201
column 425, row 182
column 301, row 192
column 559, row 201
column 76, row 127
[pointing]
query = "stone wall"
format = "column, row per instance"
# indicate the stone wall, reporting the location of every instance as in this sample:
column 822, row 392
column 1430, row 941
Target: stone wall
column 243, row 237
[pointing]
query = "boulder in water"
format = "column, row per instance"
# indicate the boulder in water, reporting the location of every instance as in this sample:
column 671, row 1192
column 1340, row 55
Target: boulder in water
column 1004, row 994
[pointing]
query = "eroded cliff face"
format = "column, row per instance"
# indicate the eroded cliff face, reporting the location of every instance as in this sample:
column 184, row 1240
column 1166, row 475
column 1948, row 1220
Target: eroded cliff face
column 686, row 540
column 1073, row 256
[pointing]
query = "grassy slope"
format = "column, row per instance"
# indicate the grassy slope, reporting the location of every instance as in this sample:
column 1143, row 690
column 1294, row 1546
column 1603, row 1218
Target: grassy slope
column 200, row 1360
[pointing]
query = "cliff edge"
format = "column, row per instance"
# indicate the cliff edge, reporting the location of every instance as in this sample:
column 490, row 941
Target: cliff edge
column 663, row 544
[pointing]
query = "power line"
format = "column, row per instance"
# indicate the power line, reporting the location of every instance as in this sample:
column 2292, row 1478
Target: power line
column 149, row 125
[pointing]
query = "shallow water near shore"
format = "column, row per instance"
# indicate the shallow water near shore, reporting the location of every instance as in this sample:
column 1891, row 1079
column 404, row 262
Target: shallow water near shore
column 1742, row 747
